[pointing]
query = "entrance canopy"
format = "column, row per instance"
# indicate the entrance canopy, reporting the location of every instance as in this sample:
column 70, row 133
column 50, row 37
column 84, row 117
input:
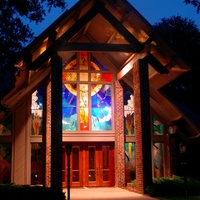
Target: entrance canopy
column 118, row 36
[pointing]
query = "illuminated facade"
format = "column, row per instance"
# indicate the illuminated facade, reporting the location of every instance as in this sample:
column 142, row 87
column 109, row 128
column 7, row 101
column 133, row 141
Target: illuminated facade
column 110, row 111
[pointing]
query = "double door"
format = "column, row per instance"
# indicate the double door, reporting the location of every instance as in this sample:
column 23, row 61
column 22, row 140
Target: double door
column 91, row 165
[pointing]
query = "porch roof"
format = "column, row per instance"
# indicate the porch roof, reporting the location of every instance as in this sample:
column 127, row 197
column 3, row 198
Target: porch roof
column 118, row 35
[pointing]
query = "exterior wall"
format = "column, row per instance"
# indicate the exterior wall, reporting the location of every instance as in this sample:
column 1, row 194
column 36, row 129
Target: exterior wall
column 119, row 136
column 22, row 140
column 22, row 154
column 21, row 145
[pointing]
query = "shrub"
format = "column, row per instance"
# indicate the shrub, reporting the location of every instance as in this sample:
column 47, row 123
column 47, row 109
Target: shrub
column 173, row 186
column 24, row 192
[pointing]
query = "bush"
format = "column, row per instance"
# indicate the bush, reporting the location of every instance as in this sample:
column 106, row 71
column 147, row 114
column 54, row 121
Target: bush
column 173, row 186
column 24, row 192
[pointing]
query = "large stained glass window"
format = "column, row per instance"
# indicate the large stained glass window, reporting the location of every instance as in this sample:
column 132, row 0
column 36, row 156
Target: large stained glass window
column 87, row 92
column 36, row 112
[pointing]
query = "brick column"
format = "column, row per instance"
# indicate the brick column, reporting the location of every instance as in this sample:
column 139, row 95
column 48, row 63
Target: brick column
column 56, row 123
column 119, row 136
column 142, row 125
column 47, row 137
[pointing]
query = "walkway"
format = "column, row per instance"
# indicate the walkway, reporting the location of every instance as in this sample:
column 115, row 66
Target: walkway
column 104, row 193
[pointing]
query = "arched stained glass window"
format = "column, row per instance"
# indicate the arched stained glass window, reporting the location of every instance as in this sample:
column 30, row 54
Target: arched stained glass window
column 87, row 92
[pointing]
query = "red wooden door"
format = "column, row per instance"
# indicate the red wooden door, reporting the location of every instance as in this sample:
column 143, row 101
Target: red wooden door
column 91, row 165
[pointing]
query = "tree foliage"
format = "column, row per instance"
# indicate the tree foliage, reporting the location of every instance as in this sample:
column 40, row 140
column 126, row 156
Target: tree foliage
column 15, row 33
column 195, row 3
column 183, row 36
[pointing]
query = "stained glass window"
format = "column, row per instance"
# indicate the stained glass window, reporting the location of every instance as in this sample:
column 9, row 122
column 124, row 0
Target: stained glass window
column 5, row 163
column 96, row 77
column 69, row 76
column 6, row 127
column 37, row 112
column 158, row 150
column 83, row 60
column 36, row 163
column 101, row 107
column 86, row 98
column 83, row 105
column 130, row 161
column 157, row 126
column 69, row 107
column 128, row 113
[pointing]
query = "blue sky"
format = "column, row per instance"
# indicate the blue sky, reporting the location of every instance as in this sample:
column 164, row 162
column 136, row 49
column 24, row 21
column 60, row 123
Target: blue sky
column 152, row 11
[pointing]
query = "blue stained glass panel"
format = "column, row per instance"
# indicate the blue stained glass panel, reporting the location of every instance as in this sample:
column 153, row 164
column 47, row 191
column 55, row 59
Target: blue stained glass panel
column 69, row 107
column 101, row 107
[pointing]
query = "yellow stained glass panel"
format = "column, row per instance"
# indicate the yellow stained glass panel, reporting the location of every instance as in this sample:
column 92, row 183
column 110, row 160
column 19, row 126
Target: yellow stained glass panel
column 83, row 76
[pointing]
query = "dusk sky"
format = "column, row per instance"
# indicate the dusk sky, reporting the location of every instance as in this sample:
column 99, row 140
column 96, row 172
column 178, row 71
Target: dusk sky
column 152, row 11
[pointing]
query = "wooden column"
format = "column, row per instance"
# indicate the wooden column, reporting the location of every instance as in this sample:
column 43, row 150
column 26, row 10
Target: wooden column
column 56, row 123
column 142, row 125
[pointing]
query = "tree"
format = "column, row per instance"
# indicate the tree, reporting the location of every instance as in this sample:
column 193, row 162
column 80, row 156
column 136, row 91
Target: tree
column 183, row 36
column 195, row 3
column 14, row 34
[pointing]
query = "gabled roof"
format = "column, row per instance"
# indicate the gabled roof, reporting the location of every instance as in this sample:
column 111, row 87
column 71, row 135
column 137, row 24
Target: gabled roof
column 117, row 35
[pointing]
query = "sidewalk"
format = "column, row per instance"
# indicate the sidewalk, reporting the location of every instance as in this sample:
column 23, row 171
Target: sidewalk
column 104, row 193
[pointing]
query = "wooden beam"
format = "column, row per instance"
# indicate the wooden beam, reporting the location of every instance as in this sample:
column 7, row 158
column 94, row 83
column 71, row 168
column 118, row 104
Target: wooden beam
column 129, row 66
column 157, row 65
column 99, row 47
column 50, row 51
column 35, row 80
column 119, row 27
